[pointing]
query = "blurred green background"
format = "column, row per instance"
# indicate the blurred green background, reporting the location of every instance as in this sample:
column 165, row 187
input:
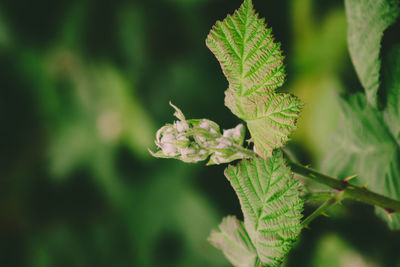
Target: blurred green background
column 85, row 85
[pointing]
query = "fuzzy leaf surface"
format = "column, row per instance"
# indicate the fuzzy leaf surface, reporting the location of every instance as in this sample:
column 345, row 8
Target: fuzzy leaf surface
column 367, row 20
column 253, row 65
column 269, row 197
column 273, row 117
column 249, row 58
column 231, row 237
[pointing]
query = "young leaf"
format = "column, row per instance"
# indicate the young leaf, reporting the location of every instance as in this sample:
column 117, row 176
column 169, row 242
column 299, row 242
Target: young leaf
column 250, row 59
column 363, row 145
column 272, row 119
column 269, row 197
column 367, row 21
column 253, row 64
column 231, row 237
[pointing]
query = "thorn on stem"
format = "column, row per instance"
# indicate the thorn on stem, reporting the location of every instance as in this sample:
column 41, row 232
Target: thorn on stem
column 365, row 186
column 324, row 214
column 389, row 214
column 349, row 178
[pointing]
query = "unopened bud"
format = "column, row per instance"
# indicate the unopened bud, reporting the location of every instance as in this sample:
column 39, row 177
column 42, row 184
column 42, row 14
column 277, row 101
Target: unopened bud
column 237, row 133
column 196, row 140
column 181, row 126
column 169, row 150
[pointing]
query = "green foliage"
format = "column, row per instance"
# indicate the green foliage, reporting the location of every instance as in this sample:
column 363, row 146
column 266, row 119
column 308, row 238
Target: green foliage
column 366, row 141
column 269, row 197
column 81, row 95
column 232, row 238
column 253, row 64
column 363, row 145
column 273, row 119
column 268, row 194
column 367, row 21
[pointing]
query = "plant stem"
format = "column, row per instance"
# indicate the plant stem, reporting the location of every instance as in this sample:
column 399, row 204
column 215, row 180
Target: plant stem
column 320, row 195
column 326, row 205
column 350, row 191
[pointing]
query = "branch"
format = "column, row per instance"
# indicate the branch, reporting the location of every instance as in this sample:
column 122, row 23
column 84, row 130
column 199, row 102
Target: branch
column 320, row 195
column 325, row 206
column 350, row 191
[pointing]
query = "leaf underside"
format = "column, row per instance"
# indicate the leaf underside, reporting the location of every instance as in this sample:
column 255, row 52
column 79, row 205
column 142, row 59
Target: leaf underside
column 363, row 145
column 269, row 197
column 367, row 140
column 231, row 237
column 253, row 65
column 367, row 20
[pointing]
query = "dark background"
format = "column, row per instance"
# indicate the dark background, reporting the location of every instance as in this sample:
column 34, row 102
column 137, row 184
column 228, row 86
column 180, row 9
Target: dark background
column 84, row 85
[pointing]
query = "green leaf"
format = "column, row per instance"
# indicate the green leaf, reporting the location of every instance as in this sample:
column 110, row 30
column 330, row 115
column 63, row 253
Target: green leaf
column 250, row 59
column 269, row 197
column 271, row 119
column 253, row 64
column 391, row 75
column 231, row 237
column 363, row 145
column 367, row 141
column 367, row 21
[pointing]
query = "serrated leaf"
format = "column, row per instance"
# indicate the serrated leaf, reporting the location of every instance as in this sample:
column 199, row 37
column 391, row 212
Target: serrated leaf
column 367, row 20
column 253, row 64
column 391, row 73
column 249, row 58
column 363, row 145
column 273, row 118
column 269, row 197
column 231, row 237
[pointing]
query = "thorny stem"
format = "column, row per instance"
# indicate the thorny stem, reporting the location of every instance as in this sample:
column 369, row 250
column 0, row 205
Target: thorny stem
column 350, row 191
column 320, row 195
column 361, row 194
column 325, row 206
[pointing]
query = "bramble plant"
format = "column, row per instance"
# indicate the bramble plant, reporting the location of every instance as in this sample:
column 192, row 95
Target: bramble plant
column 367, row 141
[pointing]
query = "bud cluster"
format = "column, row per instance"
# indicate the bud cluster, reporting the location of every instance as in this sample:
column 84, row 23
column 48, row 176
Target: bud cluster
column 197, row 139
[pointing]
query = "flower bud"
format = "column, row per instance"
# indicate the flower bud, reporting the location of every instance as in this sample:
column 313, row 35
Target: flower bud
column 236, row 134
column 196, row 140
column 210, row 126
column 181, row 126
